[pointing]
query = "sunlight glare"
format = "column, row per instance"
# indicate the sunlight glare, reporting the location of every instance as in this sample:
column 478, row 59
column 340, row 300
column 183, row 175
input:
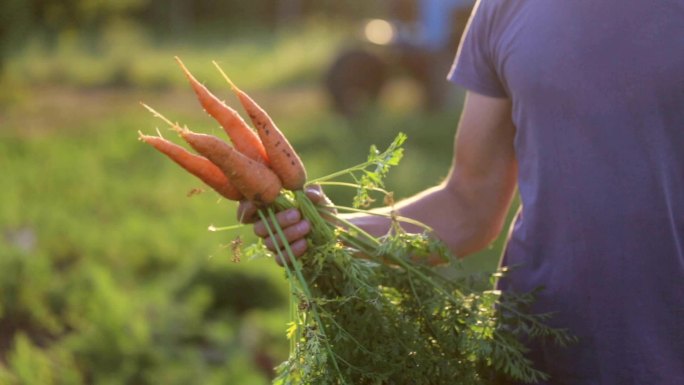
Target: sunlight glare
column 379, row 31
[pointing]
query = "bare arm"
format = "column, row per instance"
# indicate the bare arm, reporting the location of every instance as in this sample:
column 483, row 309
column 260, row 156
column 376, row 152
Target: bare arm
column 467, row 210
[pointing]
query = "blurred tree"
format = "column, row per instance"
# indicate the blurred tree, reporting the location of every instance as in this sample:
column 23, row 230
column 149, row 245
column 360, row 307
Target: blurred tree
column 181, row 15
column 52, row 18
column 14, row 21
column 20, row 19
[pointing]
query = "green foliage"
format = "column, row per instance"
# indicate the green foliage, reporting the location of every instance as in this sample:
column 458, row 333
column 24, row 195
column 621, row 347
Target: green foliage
column 52, row 19
column 368, row 176
column 124, row 55
column 102, row 278
column 107, row 272
column 388, row 318
column 89, row 24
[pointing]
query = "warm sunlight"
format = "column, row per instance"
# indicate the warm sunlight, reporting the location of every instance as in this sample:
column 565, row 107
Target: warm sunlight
column 379, row 31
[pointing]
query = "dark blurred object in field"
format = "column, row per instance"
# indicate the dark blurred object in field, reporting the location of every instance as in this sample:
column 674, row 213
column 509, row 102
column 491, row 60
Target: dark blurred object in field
column 419, row 39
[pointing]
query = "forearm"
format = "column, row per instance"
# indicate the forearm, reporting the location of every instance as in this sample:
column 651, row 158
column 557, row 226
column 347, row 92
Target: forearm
column 468, row 210
column 465, row 217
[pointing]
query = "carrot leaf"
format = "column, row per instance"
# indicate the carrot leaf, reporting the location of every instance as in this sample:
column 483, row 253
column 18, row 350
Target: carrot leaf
column 389, row 317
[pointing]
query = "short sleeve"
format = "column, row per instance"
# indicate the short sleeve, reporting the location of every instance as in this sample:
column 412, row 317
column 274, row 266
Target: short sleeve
column 474, row 67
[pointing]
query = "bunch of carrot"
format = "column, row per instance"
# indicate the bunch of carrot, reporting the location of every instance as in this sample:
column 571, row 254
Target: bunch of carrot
column 256, row 167
column 384, row 319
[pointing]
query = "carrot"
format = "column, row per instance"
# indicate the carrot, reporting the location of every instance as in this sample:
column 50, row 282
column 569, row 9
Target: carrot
column 283, row 159
column 253, row 179
column 197, row 165
column 243, row 137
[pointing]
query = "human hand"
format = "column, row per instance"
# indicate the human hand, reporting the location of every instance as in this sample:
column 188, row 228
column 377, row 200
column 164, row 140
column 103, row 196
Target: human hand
column 295, row 227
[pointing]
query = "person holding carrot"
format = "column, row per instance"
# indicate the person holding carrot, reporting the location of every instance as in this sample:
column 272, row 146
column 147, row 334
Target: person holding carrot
column 580, row 107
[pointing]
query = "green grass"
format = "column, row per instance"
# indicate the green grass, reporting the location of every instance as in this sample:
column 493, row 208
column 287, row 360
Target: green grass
column 107, row 271
column 126, row 56
column 109, row 281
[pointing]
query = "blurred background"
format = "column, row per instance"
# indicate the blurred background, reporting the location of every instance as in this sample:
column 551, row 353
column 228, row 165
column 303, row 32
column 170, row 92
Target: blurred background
column 108, row 274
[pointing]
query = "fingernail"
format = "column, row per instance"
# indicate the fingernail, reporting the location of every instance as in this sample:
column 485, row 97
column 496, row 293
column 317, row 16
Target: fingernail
column 304, row 226
column 314, row 191
column 292, row 215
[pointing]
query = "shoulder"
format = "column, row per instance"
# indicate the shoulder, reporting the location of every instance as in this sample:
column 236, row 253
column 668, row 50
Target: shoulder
column 492, row 19
column 498, row 11
column 477, row 65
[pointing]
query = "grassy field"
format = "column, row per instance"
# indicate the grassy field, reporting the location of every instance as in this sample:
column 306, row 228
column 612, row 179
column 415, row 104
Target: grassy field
column 108, row 274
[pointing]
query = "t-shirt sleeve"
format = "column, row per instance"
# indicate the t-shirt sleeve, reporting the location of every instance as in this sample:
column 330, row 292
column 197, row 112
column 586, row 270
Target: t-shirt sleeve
column 474, row 67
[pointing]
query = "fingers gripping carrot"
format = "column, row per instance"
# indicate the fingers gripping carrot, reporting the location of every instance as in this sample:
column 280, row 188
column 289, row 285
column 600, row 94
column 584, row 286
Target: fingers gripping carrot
column 253, row 179
column 197, row 165
column 282, row 157
column 243, row 137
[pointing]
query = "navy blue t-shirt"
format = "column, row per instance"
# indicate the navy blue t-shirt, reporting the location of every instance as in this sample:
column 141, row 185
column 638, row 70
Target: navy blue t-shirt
column 597, row 88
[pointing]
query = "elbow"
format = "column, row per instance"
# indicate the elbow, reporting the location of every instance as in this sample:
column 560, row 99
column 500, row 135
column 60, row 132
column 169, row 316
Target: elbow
column 478, row 223
column 477, row 237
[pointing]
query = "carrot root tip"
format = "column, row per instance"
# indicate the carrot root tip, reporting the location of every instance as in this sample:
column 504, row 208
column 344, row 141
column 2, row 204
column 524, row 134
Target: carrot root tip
column 230, row 82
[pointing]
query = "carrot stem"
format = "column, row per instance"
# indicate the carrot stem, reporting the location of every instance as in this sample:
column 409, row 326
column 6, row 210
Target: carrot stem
column 305, row 288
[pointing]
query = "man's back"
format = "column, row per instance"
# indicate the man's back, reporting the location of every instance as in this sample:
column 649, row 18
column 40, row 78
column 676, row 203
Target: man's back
column 598, row 101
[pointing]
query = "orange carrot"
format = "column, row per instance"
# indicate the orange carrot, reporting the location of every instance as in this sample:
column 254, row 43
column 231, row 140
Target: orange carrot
column 282, row 157
column 243, row 137
column 199, row 166
column 255, row 180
